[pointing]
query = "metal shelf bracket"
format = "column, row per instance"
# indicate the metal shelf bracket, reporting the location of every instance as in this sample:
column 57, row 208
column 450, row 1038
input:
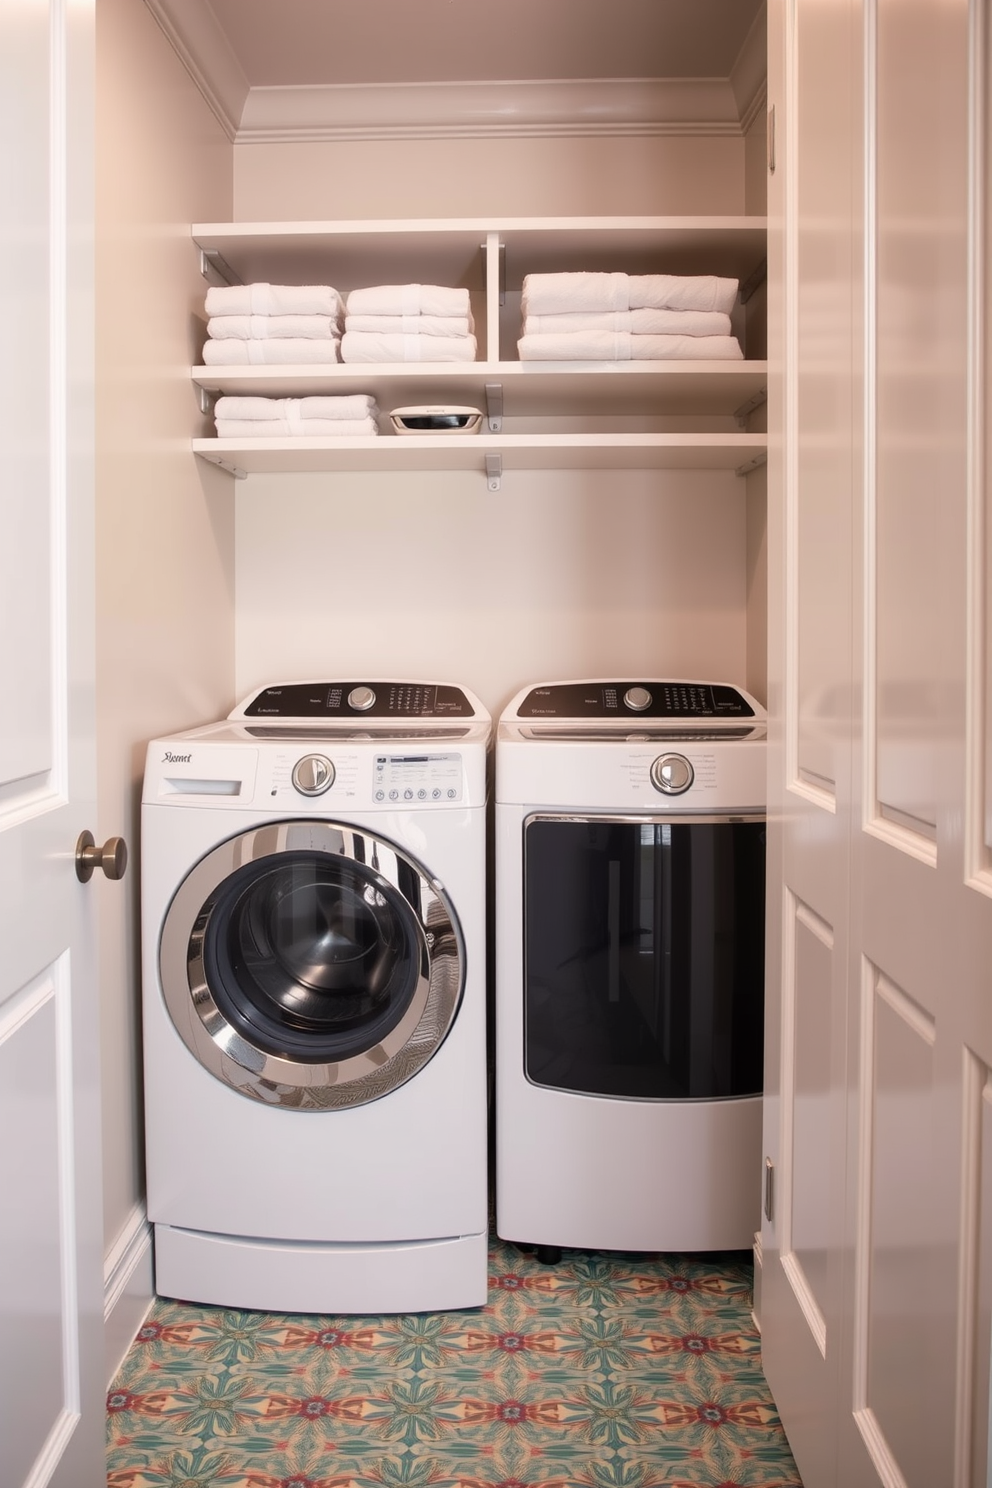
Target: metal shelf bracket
column 227, row 465
column 494, row 407
column 754, row 464
column 206, row 398
column 754, row 281
column 215, row 269
column 746, row 409
column 494, row 472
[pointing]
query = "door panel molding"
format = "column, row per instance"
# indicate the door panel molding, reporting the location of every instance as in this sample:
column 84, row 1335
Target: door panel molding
column 974, row 1273
column 978, row 812
column 39, row 1188
column 806, row 1078
column 889, row 1259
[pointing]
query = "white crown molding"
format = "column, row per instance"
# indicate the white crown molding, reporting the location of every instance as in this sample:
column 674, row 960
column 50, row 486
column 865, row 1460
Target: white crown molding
column 749, row 75
column 206, row 53
column 554, row 107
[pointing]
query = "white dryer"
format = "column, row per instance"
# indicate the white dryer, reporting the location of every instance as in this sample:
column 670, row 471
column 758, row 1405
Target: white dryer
column 630, row 859
column 313, row 912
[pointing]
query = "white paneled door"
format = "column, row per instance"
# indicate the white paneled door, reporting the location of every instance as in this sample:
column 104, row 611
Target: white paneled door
column 877, row 1244
column 52, row 1376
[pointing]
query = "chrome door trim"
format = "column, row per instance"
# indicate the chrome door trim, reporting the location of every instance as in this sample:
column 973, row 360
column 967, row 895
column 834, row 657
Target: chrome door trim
column 277, row 1081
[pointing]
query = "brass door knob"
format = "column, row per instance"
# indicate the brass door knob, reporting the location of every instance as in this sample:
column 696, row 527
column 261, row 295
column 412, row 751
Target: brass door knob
column 111, row 857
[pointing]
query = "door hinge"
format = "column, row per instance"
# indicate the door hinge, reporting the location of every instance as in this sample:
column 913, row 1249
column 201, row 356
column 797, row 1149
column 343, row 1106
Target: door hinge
column 769, row 1190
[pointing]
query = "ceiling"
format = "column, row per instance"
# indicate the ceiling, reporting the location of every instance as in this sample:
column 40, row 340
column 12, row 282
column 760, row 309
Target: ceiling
column 296, row 43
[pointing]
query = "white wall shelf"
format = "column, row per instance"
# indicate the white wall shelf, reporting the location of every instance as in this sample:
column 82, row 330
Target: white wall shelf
column 468, row 452
column 529, row 388
column 454, row 250
column 491, row 259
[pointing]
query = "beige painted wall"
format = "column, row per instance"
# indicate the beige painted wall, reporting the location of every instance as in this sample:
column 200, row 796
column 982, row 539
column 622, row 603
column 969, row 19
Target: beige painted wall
column 489, row 178
column 165, row 525
column 561, row 573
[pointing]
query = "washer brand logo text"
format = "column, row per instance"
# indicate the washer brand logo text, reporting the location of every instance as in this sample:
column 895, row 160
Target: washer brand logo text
column 169, row 758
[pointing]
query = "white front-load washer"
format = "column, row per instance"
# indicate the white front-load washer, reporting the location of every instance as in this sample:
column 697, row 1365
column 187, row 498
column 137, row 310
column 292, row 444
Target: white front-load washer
column 314, row 993
column 630, row 866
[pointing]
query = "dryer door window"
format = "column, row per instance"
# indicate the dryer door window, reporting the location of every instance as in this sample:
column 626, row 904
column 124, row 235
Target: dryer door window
column 644, row 956
column 311, row 965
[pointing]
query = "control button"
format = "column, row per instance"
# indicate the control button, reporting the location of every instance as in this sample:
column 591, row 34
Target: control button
column 637, row 698
column 313, row 775
column 671, row 774
column 394, row 795
column 380, row 795
column 361, row 699
column 421, row 794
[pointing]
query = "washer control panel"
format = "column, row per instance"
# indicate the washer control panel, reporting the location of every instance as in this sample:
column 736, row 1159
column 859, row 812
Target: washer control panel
column 337, row 701
column 424, row 779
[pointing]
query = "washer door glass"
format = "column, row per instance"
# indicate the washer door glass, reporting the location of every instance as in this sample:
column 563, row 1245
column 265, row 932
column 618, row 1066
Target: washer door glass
column 311, row 965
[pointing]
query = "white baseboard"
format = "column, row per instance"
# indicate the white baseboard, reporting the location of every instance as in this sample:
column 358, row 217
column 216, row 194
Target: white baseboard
column 128, row 1288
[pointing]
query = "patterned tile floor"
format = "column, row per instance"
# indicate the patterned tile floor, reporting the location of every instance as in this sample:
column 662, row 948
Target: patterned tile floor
column 605, row 1371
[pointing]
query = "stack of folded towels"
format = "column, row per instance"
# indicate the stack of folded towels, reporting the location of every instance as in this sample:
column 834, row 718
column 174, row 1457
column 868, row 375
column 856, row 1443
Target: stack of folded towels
column 408, row 323
column 627, row 317
column 267, row 324
column 314, row 418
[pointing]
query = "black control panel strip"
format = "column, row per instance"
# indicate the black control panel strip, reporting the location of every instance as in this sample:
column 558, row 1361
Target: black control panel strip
column 354, row 700
column 635, row 699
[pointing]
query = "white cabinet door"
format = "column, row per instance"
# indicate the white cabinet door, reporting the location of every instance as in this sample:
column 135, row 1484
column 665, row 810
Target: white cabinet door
column 51, row 1293
column 878, row 1255
column 813, row 482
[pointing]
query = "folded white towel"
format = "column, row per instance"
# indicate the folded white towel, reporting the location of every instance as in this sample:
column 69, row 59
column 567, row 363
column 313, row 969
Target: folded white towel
column 412, row 325
column 553, row 294
column 639, row 322
column 347, row 406
column 368, row 346
column 621, row 346
column 273, row 299
column 292, row 428
column 281, row 350
column 268, row 327
column 408, row 299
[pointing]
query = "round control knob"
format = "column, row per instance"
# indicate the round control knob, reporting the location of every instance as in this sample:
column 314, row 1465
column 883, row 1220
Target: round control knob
column 637, row 698
column 313, row 775
column 361, row 699
column 671, row 774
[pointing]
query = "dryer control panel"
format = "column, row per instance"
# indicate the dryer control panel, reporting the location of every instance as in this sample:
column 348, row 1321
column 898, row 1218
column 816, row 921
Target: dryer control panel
column 635, row 699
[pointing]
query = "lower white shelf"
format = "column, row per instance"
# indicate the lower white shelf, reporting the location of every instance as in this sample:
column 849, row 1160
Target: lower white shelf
column 740, row 452
column 527, row 388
